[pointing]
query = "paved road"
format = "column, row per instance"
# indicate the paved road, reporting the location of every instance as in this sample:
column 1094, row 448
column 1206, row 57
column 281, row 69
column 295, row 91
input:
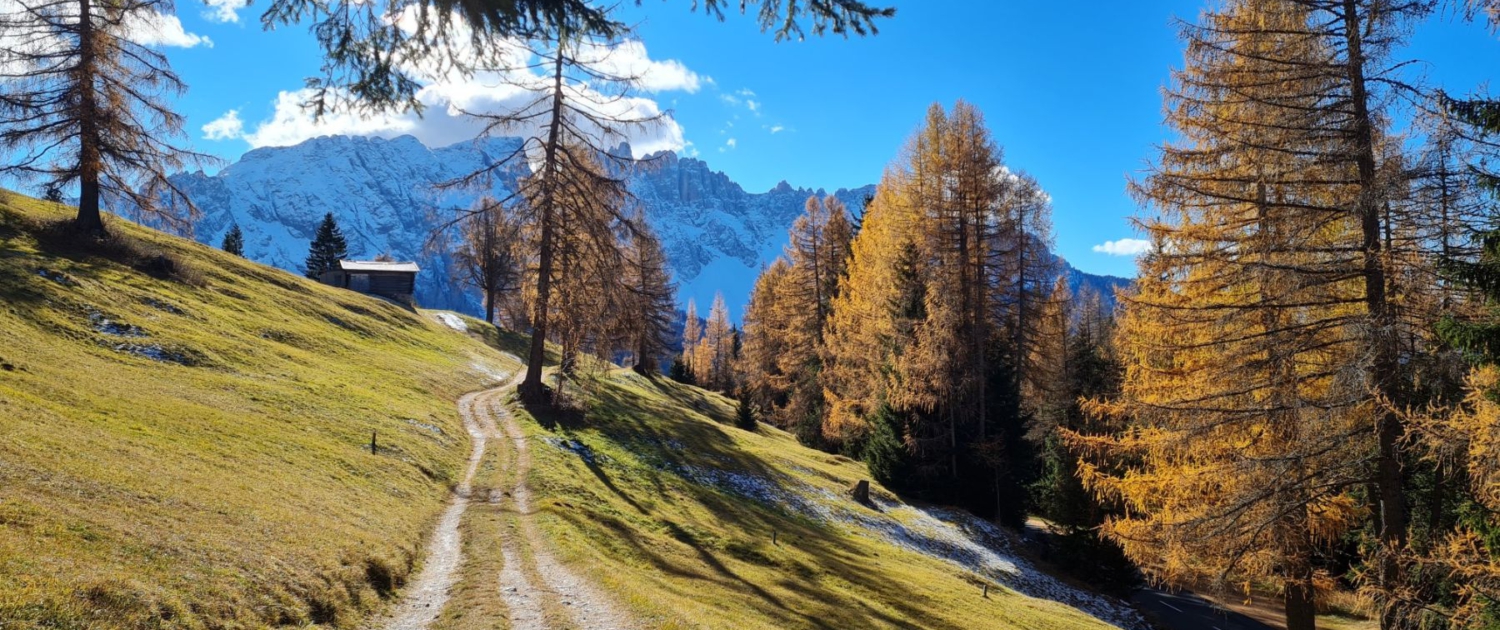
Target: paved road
column 1186, row 611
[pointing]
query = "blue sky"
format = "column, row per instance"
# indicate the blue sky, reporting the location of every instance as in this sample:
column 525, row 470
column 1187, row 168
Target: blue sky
column 1073, row 94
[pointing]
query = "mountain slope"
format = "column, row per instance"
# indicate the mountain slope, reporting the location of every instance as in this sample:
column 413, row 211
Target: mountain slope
column 196, row 454
column 716, row 235
column 697, row 524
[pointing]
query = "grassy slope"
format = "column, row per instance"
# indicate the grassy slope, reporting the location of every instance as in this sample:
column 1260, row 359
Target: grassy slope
column 237, row 492
column 686, row 555
column 240, row 491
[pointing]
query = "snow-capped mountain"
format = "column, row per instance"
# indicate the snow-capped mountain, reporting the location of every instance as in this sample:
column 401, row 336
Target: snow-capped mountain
column 717, row 236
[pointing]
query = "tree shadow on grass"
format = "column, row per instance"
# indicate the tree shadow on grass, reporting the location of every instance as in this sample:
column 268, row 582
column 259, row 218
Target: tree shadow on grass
column 655, row 431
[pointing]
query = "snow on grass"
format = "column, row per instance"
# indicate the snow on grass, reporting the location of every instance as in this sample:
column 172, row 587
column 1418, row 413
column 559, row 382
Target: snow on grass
column 114, row 328
column 484, row 368
column 452, row 321
column 981, row 546
column 955, row 536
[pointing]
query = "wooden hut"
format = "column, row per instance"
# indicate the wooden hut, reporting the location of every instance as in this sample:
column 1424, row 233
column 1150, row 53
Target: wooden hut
column 394, row 280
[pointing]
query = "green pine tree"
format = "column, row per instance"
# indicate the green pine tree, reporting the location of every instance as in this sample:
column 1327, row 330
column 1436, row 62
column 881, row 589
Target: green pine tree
column 234, row 241
column 680, row 372
column 745, row 414
column 886, row 452
column 327, row 249
column 1480, row 339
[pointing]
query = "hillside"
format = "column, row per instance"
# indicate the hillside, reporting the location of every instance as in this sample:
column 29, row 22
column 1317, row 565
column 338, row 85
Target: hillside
column 195, row 452
column 674, row 510
column 191, row 448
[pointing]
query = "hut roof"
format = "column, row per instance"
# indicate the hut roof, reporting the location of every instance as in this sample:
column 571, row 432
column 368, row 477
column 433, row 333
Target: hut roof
column 375, row 265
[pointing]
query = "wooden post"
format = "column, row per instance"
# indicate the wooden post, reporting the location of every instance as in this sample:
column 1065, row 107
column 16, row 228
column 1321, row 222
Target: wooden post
column 372, row 443
column 986, row 591
column 773, row 537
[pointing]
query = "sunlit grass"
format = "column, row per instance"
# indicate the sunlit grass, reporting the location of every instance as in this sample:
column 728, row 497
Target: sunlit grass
column 682, row 555
column 231, row 485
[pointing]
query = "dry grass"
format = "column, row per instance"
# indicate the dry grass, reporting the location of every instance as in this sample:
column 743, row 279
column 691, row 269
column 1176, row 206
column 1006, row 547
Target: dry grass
column 196, row 454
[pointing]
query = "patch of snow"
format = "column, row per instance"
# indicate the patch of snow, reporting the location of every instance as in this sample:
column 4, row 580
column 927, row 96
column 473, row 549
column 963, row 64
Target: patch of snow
column 490, row 371
column 971, row 543
column 452, row 321
column 430, row 428
column 56, row 276
column 110, row 327
column 153, row 352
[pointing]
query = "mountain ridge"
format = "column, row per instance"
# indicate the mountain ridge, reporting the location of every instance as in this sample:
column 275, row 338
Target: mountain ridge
column 717, row 235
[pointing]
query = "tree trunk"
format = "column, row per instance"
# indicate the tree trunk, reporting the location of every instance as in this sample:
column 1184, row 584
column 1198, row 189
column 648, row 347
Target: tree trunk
column 89, row 221
column 1299, row 599
column 532, row 390
column 489, row 306
column 1392, row 500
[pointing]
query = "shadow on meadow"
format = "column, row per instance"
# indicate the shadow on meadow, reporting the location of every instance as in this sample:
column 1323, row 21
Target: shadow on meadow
column 640, row 443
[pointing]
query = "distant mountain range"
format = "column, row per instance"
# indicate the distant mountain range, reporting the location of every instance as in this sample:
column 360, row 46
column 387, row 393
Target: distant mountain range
column 717, row 236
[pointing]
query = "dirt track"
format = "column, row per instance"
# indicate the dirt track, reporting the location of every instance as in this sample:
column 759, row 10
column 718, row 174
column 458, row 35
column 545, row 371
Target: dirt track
column 538, row 591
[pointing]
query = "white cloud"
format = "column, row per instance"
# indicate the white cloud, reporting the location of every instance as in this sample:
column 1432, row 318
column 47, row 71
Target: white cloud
column 776, row 128
column 729, row 145
column 444, row 121
column 224, row 10
column 629, row 60
column 742, row 98
column 448, row 98
column 1124, row 247
column 145, row 28
column 160, row 29
column 292, row 123
column 226, row 127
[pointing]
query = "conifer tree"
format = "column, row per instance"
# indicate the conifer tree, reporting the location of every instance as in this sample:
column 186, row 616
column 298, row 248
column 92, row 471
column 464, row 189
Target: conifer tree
column 1027, row 267
column 679, row 372
column 873, row 325
column 745, row 415
column 1246, row 343
column 760, row 368
column 920, row 335
column 692, row 334
column 588, row 295
column 573, row 203
column 651, row 297
column 817, row 250
column 327, row 249
column 486, row 255
column 1459, row 438
column 234, row 241
column 82, row 102
column 1048, row 363
column 713, row 366
column 1464, row 437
